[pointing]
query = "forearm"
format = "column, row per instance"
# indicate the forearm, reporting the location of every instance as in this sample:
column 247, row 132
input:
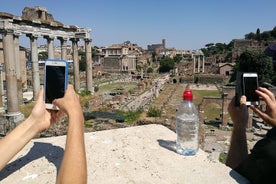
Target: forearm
column 73, row 167
column 238, row 147
column 12, row 143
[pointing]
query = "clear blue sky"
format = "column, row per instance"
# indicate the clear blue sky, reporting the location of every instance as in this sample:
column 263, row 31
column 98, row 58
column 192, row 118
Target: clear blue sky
column 184, row 24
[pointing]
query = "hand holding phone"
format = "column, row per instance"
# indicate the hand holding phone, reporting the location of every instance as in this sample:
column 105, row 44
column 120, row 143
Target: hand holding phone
column 55, row 81
column 249, row 87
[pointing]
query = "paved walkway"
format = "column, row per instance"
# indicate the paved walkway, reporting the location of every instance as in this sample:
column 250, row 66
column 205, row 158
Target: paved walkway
column 135, row 155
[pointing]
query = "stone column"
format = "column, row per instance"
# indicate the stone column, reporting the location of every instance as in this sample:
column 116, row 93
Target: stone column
column 35, row 68
column 63, row 47
column 2, row 94
column 224, row 112
column 11, row 80
column 50, row 42
column 194, row 63
column 89, row 65
column 18, row 68
column 203, row 64
column 198, row 63
column 76, row 63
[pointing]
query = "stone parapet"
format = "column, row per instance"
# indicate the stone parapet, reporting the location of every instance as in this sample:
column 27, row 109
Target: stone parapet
column 141, row 154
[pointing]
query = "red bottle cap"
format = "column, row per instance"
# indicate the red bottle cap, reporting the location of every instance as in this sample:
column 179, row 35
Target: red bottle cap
column 188, row 95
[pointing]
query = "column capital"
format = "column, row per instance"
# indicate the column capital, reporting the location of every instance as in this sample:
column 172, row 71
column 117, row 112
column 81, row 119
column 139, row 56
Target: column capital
column 7, row 31
column 32, row 36
column 87, row 40
column 74, row 40
column 49, row 37
column 62, row 39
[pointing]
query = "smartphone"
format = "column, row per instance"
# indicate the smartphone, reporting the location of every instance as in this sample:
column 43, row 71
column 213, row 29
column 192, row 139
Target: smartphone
column 249, row 86
column 55, row 81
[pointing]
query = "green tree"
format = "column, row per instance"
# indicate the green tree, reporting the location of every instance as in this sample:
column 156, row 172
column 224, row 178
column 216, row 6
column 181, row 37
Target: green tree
column 177, row 58
column 138, row 67
column 266, row 36
column 255, row 61
column 250, row 36
column 258, row 35
column 166, row 64
column 95, row 51
column 218, row 48
column 42, row 56
column 150, row 70
column 153, row 56
column 273, row 32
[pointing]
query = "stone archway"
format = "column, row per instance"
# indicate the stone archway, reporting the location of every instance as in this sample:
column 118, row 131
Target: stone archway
column 207, row 101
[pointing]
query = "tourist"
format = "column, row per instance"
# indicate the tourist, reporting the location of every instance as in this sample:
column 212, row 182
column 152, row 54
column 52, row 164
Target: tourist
column 73, row 167
column 258, row 166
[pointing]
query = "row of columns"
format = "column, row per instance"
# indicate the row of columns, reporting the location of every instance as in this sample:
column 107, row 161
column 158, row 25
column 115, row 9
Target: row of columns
column 13, row 71
column 198, row 63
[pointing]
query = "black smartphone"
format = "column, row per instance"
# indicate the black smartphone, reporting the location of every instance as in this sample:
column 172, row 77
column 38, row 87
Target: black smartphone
column 249, row 86
column 55, row 81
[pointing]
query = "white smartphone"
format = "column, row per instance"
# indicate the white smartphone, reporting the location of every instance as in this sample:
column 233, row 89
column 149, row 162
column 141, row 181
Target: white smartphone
column 55, row 81
column 249, row 85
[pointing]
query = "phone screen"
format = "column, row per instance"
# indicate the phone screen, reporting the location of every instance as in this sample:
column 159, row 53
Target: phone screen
column 55, row 82
column 250, row 85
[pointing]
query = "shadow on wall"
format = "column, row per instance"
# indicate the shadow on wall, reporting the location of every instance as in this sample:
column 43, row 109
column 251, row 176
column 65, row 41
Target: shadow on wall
column 52, row 153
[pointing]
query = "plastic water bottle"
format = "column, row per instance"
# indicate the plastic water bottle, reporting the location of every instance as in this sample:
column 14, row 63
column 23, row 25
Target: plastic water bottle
column 187, row 124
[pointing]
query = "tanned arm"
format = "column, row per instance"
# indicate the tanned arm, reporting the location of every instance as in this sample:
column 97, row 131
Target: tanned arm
column 39, row 120
column 73, row 167
column 238, row 150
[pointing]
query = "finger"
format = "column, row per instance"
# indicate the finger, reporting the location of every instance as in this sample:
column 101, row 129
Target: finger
column 69, row 88
column 40, row 95
column 259, row 112
column 54, row 115
column 56, row 102
column 264, row 97
column 243, row 100
column 267, row 92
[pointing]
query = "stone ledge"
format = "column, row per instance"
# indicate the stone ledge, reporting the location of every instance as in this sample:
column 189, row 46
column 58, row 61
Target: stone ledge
column 141, row 154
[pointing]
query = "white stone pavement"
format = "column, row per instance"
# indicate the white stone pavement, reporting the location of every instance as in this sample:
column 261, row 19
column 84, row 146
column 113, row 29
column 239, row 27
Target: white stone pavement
column 135, row 155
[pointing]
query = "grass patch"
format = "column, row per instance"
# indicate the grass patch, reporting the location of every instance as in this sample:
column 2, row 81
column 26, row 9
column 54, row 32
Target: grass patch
column 154, row 112
column 199, row 94
column 26, row 109
column 131, row 116
column 222, row 157
column 126, row 86
column 212, row 111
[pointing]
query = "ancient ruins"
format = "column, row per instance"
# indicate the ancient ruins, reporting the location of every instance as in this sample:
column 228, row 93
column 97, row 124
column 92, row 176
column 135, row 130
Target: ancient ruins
column 35, row 23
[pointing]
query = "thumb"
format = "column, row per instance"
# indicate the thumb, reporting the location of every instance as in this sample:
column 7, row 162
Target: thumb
column 57, row 102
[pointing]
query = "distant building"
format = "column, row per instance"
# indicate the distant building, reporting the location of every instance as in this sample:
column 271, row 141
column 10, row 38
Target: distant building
column 153, row 47
column 226, row 69
column 120, row 58
column 157, row 48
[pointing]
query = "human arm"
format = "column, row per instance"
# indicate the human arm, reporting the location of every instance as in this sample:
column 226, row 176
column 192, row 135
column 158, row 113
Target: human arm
column 39, row 120
column 269, row 115
column 73, row 168
column 238, row 146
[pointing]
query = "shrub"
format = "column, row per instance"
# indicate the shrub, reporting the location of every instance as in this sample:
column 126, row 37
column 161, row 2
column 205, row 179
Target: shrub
column 96, row 88
column 153, row 112
column 130, row 116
